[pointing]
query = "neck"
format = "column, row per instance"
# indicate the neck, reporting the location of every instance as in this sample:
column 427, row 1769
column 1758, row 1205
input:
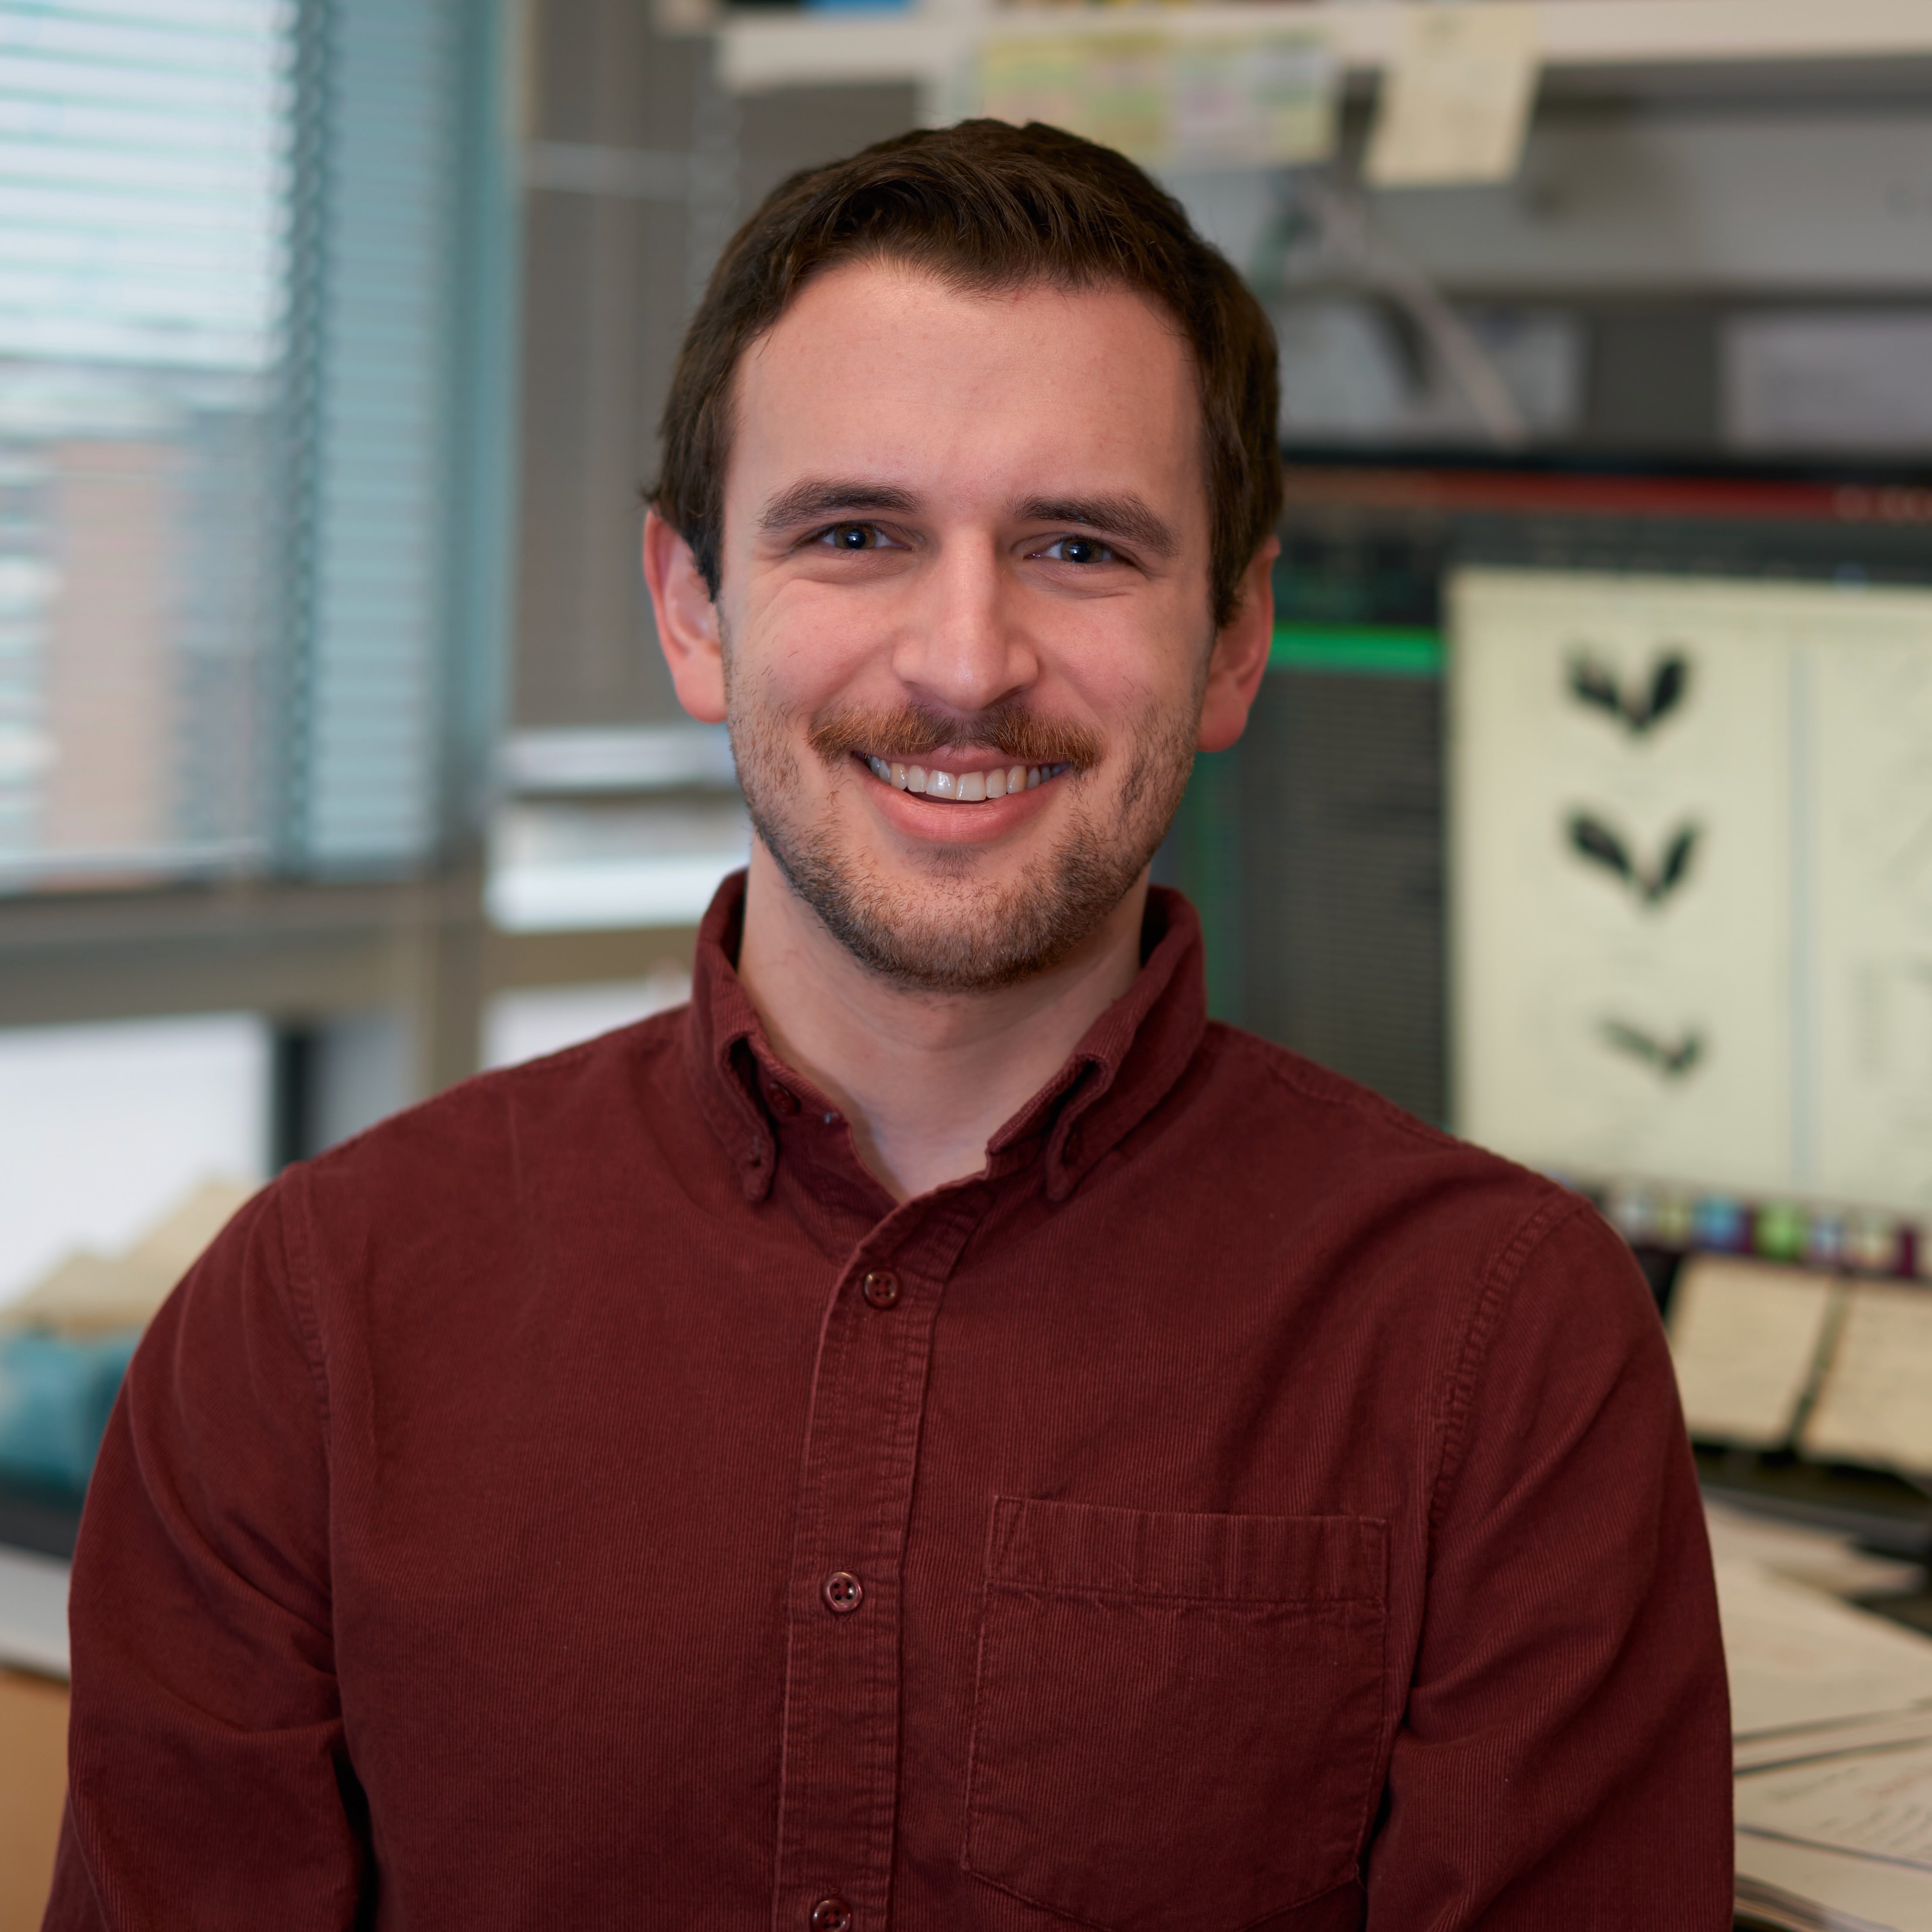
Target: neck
column 925, row 1079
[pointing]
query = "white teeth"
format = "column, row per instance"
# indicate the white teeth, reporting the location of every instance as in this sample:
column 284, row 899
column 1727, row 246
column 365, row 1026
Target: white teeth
column 966, row 788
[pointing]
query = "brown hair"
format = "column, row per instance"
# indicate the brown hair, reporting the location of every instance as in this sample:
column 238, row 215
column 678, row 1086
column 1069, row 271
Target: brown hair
column 986, row 206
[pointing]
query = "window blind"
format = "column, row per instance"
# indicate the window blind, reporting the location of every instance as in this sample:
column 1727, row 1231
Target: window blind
column 141, row 272
column 377, row 433
column 252, row 359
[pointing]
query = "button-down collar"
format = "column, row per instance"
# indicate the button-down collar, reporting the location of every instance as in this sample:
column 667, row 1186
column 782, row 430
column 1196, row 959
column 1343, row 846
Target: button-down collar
column 763, row 1111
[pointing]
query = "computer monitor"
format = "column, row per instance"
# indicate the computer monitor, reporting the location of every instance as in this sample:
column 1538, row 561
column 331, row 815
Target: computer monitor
column 1588, row 810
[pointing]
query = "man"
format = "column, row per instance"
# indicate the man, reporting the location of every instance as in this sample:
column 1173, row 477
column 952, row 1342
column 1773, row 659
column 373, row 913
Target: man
column 935, row 1435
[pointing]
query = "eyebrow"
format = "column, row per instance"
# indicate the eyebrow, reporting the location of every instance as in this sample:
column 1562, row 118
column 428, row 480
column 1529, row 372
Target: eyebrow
column 1124, row 516
column 825, row 496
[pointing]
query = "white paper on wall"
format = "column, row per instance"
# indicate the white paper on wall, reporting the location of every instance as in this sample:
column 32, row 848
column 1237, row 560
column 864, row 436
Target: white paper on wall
column 1193, row 101
column 1622, row 866
column 1692, row 871
column 1871, row 685
column 1455, row 100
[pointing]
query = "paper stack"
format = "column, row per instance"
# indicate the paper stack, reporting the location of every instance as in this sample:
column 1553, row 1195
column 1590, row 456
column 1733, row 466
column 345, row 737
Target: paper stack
column 1832, row 1718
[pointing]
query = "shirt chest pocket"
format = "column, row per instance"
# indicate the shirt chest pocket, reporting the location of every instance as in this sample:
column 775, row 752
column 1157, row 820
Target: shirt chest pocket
column 1177, row 1717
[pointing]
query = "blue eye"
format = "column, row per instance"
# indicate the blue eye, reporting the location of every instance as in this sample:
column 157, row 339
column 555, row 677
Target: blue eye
column 1079, row 550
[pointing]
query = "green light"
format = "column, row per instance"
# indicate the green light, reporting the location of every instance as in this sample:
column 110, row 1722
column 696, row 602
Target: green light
column 1361, row 650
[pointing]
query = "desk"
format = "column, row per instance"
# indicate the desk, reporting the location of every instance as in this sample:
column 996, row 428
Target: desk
column 33, row 1730
column 33, row 1782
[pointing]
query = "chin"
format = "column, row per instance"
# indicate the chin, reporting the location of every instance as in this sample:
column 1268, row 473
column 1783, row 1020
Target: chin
column 954, row 921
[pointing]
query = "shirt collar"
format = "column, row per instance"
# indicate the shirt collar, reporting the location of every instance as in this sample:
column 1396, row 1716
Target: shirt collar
column 1124, row 1065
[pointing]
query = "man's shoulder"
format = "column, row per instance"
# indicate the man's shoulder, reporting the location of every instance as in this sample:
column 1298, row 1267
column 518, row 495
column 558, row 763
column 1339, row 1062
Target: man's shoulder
column 1297, row 1104
column 1415, row 1247
column 1345, row 1157
column 614, row 1089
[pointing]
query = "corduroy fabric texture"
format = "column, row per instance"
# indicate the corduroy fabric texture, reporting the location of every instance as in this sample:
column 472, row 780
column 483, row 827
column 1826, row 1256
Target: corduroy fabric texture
column 1252, row 1507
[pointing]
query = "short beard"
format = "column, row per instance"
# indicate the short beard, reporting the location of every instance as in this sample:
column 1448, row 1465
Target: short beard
column 977, row 938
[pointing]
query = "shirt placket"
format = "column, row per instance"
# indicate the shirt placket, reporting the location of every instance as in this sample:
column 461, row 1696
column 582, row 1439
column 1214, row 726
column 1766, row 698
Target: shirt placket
column 839, row 1781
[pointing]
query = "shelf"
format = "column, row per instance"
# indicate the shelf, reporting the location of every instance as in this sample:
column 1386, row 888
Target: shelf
column 761, row 51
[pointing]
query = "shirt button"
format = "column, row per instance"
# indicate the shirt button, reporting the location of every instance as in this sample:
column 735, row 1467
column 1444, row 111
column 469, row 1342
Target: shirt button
column 832, row 1915
column 843, row 1593
column 783, row 1099
column 881, row 1288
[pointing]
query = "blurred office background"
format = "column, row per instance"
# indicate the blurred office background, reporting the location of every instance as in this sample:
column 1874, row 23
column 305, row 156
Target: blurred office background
column 336, row 756
column 1586, row 808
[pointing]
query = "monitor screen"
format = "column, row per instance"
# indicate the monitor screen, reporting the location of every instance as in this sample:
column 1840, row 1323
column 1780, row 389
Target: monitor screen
column 1691, row 851
column 1587, row 810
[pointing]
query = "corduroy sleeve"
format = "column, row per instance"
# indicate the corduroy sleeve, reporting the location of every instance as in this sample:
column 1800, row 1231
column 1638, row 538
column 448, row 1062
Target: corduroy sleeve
column 208, row 1784
column 1565, row 1757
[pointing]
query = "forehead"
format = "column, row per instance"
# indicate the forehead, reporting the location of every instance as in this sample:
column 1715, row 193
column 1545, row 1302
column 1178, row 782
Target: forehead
column 883, row 371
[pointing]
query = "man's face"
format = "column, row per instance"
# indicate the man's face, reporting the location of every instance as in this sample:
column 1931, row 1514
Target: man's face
column 965, row 612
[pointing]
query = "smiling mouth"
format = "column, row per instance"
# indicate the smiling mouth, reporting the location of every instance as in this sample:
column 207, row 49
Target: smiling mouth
column 961, row 787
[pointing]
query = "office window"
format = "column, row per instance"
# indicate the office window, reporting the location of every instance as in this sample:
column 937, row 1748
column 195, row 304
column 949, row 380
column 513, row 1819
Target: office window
column 142, row 183
column 251, row 325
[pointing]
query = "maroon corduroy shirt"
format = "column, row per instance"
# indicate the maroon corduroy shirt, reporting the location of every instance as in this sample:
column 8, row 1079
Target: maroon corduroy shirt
column 587, row 1500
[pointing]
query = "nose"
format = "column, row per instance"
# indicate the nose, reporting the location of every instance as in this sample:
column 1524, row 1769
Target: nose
column 963, row 645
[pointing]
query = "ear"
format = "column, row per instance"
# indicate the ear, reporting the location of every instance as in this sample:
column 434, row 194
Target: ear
column 687, row 627
column 1240, row 656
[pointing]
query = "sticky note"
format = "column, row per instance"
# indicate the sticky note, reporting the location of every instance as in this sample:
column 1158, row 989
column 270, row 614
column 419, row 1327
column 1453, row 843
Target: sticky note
column 1456, row 101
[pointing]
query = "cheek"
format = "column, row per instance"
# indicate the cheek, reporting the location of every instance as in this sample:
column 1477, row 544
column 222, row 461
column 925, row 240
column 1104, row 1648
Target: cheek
column 1124, row 674
column 809, row 644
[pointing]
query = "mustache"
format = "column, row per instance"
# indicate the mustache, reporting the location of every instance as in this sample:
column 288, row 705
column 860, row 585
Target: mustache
column 1022, row 736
